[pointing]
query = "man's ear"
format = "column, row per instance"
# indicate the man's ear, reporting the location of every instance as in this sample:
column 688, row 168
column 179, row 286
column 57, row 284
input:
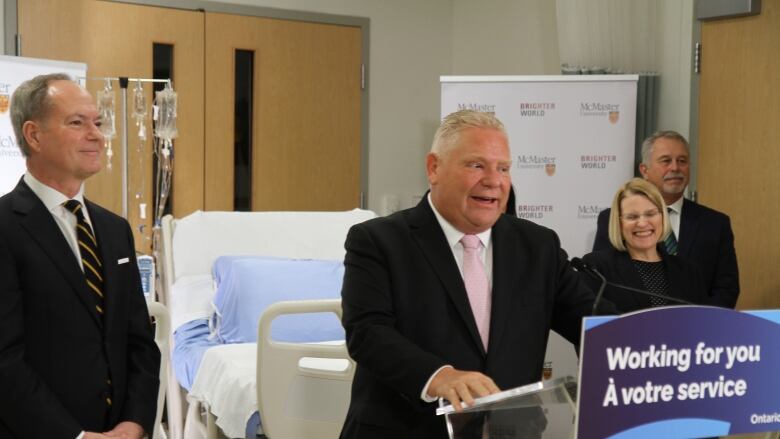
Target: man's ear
column 432, row 167
column 32, row 131
column 643, row 170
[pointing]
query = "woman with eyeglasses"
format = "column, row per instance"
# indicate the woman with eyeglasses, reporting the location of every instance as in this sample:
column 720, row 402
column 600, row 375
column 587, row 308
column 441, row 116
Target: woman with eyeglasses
column 638, row 226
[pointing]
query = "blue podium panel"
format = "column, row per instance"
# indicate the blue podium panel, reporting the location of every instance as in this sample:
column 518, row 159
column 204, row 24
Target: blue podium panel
column 679, row 372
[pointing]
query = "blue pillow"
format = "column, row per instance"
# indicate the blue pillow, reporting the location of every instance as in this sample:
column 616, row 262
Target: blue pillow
column 247, row 285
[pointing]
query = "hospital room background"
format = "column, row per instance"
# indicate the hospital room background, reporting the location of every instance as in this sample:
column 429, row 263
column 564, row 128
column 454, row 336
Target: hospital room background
column 300, row 118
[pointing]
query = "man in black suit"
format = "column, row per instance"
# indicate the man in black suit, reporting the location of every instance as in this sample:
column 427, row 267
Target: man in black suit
column 77, row 353
column 700, row 234
column 452, row 298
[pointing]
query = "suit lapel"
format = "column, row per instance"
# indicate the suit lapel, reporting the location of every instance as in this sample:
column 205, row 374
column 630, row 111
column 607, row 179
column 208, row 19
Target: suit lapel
column 689, row 226
column 505, row 262
column 677, row 282
column 45, row 232
column 429, row 236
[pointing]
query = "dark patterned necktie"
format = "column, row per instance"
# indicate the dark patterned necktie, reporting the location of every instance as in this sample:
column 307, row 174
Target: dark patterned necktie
column 88, row 248
column 670, row 243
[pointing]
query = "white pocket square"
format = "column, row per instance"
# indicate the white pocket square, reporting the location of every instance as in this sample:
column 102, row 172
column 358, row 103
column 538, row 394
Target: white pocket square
column 122, row 261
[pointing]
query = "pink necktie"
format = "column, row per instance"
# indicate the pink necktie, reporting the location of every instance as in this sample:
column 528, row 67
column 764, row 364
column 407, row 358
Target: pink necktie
column 476, row 285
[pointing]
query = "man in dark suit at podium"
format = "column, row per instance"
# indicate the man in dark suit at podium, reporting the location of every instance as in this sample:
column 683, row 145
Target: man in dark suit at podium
column 452, row 298
column 700, row 234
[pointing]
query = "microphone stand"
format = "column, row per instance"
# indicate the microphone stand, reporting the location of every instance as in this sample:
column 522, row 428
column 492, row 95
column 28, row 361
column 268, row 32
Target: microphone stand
column 600, row 292
column 580, row 265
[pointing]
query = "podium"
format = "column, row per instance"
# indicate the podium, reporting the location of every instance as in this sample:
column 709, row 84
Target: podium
column 679, row 372
column 542, row 410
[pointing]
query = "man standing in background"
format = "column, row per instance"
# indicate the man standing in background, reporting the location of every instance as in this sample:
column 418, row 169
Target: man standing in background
column 77, row 353
column 699, row 234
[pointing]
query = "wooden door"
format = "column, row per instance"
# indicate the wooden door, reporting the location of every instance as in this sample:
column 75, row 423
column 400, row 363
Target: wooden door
column 116, row 39
column 739, row 143
column 306, row 113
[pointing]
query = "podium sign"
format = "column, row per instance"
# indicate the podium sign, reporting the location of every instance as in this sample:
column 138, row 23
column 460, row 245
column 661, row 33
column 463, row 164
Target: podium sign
column 543, row 410
column 679, row 372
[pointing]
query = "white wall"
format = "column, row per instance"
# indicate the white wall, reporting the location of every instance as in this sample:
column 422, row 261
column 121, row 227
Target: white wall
column 635, row 36
column 505, row 37
column 614, row 34
column 674, row 55
column 2, row 27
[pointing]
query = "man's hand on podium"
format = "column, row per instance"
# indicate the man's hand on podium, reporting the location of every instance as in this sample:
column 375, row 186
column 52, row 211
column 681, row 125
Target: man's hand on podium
column 460, row 386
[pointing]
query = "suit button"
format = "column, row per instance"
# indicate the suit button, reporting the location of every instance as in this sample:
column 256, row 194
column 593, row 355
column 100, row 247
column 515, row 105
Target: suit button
column 108, row 401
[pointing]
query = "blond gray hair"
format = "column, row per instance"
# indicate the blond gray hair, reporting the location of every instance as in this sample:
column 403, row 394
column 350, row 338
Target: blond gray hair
column 635, row 186
column 30, row 102
column 454, row 123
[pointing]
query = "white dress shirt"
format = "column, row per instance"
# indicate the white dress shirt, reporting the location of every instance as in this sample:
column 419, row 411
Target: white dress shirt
column 454, row 236
column 64, row 218
column 674, row 216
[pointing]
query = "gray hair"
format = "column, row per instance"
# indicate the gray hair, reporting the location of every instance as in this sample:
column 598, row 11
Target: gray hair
column 30, row 102
column 647, row 145
column 451, row 126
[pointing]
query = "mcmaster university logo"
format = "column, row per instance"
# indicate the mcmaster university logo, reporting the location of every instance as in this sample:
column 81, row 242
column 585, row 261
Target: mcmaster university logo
column 589, row 211
column 535, row 161
column 483, row 108
column 596, row 109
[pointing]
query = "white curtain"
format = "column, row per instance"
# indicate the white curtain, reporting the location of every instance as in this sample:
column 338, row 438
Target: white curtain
column 619, row 35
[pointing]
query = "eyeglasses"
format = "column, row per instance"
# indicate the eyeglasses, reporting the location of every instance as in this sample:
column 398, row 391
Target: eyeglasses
column 635, row 217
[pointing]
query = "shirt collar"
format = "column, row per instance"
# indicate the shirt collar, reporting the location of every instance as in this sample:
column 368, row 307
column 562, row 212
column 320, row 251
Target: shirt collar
column 454, row 235
column 677, row 205
column 50, row 197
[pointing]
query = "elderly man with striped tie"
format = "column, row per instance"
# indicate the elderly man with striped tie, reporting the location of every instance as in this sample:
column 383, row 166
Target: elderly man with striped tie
column 699, row 234
column 77, row 353
column 452, row 298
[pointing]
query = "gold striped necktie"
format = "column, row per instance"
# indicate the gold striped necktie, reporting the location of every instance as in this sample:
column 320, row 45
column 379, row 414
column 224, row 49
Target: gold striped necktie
column 93, row 266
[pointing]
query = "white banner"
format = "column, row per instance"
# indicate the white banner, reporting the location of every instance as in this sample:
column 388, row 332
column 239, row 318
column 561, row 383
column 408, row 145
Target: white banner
column 571, row 140
column 13, row 71
column 572, row 146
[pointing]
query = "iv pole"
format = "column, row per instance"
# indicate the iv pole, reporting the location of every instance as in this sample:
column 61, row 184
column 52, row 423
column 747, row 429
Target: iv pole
column 123, row 83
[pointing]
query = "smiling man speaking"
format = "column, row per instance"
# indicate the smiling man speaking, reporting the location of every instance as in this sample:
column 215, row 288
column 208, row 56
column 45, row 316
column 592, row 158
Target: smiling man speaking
column 451, row 298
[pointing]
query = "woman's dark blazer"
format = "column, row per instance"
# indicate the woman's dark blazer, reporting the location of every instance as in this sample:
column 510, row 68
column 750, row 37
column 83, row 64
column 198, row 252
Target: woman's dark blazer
column 685, row 281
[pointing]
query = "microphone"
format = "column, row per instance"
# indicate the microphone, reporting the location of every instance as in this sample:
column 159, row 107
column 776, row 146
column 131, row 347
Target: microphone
column 584, row 267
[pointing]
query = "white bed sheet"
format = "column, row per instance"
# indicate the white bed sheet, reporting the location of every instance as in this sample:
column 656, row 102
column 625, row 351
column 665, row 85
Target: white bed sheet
column 191, row 299
column 227, row 383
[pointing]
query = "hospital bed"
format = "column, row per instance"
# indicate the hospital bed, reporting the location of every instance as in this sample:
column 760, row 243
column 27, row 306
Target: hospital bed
column 162, row 330
column 202, row 360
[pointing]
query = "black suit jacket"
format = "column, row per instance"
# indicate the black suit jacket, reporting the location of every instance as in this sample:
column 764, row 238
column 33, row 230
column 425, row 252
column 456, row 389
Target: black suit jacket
column 56, row 354
column 706, row 240
column 684, row 279
column 406, row 314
